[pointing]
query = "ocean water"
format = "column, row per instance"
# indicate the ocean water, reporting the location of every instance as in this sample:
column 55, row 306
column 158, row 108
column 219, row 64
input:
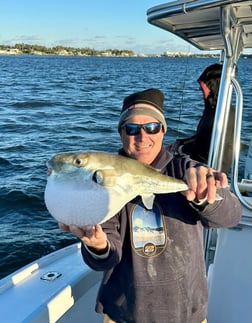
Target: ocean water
column 54, row 104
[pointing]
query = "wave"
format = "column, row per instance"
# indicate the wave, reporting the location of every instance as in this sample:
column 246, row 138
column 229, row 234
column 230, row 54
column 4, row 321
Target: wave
column 16, row 199
column 12, row 148
column 5, row 162
column 33, row 104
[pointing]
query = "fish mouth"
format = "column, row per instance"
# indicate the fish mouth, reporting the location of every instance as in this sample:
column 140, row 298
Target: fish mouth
column 49, row 171
column 49, row 168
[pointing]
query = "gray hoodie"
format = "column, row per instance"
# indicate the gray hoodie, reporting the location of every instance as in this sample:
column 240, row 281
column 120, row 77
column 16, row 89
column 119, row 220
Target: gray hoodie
column 154, row 271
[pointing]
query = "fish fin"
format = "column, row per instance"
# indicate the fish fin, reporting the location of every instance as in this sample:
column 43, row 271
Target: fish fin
column 148, row 200
column 105, row 177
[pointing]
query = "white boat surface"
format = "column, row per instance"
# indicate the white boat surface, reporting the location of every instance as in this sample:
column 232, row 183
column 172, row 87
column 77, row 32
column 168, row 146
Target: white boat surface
column 61, row 288
column 58, row 287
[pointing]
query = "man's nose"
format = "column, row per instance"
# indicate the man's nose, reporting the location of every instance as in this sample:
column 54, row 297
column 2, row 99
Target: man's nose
column 142, row 133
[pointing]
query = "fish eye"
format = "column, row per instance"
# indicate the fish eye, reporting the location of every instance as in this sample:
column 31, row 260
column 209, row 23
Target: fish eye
column 97, row 177
column 80, row 160
column 77, row 161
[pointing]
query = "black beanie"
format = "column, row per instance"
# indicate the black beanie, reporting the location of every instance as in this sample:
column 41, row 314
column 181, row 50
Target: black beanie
column 211, row 77
column 153, row 97
column 211, row 72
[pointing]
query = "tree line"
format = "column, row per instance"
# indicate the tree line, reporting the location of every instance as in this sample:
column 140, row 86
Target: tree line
column 60, row 50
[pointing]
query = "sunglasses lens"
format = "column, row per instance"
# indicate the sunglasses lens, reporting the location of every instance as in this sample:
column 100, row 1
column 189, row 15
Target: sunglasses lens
column 133, row 129
column 152, row 127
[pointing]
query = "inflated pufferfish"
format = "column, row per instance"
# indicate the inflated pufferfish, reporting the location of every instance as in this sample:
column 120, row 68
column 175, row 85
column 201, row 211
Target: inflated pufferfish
column 86, row 188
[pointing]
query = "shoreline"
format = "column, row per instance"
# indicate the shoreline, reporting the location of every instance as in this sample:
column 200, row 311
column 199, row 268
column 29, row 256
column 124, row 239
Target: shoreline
column 24, row 49
column 105, row 54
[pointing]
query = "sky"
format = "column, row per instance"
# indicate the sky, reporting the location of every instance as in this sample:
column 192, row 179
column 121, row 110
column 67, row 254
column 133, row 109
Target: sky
column 98, row 24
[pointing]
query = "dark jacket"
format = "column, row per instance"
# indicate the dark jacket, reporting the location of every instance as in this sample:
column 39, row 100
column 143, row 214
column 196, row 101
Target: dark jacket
column 197, row 146
column 155, row 270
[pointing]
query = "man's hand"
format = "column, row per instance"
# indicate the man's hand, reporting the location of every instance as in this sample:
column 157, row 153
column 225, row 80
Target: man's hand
column 92, row 236
column 203, row 183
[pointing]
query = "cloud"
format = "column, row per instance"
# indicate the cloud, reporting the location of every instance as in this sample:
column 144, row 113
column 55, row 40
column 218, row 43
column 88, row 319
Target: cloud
column 27, row 39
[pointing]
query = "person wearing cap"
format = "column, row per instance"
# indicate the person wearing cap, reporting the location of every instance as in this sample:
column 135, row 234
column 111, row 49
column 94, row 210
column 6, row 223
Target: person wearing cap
column 198, row 145
column 152, row 260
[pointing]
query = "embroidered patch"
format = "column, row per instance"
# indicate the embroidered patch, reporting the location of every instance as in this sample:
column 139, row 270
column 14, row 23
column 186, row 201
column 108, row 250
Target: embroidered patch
column 147, row 230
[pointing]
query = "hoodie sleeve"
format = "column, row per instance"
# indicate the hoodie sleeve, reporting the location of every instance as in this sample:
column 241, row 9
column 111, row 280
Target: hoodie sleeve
column 223, row 213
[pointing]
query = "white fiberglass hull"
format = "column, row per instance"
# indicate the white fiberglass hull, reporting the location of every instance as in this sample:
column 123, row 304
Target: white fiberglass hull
column 58, row 287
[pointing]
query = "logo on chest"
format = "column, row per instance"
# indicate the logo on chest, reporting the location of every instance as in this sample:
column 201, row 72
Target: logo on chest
column 148, row 234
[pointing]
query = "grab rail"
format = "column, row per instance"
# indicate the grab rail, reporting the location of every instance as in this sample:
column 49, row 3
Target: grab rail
column 236, row 144
column 231, row 32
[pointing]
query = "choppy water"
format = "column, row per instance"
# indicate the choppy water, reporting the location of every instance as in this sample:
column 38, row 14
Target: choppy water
column 53, row 104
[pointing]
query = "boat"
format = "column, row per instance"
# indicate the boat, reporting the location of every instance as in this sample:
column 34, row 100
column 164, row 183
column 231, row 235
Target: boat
column 225, row 26
column 59, row 287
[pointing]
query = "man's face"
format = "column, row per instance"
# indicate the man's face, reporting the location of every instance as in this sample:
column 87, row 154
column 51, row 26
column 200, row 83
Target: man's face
column 143, row 147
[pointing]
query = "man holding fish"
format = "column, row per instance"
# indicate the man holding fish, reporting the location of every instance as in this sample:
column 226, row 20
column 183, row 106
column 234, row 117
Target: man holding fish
column 151, row 250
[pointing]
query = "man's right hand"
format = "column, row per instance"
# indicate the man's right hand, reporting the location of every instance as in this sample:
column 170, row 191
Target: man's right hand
column 92, row 235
